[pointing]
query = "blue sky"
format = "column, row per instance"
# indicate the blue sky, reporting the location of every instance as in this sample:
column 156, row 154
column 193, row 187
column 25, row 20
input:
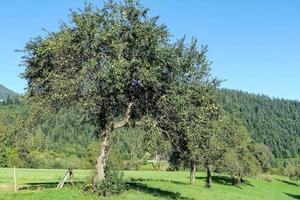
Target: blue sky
column 254, row 45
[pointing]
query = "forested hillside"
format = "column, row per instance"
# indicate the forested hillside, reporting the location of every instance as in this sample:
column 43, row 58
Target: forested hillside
column 5, row 92
column 274, row 122
column 34, row 138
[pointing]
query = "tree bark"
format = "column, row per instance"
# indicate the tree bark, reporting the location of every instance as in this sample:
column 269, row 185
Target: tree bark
column 235, row 181
column 193, row 173
column 104, row 146
column 102, row 158
column 241, row 179
column 208, row 177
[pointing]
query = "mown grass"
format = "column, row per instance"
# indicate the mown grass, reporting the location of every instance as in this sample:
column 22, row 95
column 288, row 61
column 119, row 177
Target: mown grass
column 148, row 185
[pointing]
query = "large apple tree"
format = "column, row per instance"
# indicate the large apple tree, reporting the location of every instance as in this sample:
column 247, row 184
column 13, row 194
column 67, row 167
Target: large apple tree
column 115, row 62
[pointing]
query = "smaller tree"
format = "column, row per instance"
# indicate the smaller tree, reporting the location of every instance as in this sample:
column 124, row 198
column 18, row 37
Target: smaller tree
column 262, row 154
column 187, row 116
column 293, row 172
column 239, row 164
column 240, row 156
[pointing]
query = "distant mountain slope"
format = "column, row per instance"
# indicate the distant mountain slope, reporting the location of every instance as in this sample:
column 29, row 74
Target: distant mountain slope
column 5, row 92
column 274, row 122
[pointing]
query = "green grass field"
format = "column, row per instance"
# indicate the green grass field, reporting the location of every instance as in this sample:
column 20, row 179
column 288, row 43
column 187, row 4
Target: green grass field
column 38, row 184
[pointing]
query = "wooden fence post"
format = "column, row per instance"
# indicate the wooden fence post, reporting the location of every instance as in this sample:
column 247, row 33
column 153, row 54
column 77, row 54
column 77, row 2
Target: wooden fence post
column 15, row 180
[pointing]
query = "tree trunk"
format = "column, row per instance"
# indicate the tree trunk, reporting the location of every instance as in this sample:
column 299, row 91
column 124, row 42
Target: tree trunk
column 102, row 158
column 193, row 173
column 241, row 179
column 208, row 177
column 104, row 147
column 235, row 181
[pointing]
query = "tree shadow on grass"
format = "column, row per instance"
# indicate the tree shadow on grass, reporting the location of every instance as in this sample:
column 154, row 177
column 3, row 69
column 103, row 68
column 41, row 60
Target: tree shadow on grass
column 225, row 180
column 160, row 180
column 287, row 182
column 247, row 183
column 44, row 185
column 295, row 196
column 156, row 191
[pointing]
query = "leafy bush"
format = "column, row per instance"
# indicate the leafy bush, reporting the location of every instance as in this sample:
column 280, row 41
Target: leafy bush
column 113, row 182
column 267, row 178
column 293, row 172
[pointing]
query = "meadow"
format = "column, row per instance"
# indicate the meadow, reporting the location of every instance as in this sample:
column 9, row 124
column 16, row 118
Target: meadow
column 36, row 184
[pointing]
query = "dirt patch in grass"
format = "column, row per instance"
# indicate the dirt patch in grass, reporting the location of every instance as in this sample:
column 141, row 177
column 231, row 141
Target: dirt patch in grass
column 5, row 187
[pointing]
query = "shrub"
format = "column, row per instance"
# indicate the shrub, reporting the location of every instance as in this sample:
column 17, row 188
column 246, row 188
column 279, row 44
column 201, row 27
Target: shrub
column 267, row 178
column 293, row 172
column 113, row 182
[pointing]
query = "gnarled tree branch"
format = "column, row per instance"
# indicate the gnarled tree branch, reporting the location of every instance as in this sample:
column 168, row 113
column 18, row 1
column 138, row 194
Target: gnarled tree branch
column 126, row 118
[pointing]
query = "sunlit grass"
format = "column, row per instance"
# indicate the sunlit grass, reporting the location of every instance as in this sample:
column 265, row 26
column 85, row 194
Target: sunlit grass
column 152, row 185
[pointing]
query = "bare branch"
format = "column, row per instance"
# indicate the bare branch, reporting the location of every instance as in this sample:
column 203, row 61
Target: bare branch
column 126, row 118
